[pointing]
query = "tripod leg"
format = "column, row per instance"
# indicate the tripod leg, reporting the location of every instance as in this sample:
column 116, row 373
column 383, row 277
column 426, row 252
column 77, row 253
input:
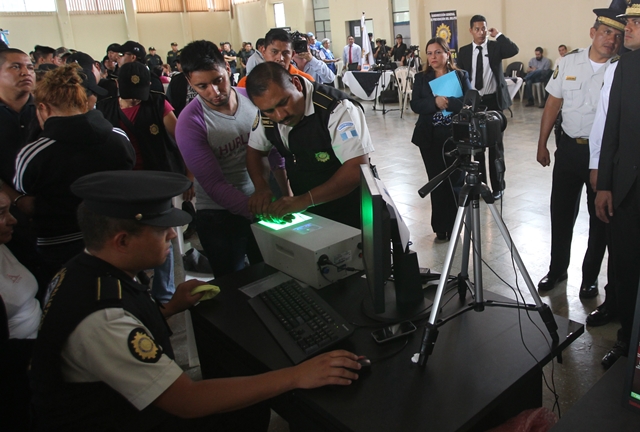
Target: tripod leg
column 430, row 331
column 463, row 276
column 542, row 308
column 477, row 254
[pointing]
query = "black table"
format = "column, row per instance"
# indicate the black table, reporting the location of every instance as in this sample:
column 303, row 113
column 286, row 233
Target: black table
column 478, row 375
column 601, row 409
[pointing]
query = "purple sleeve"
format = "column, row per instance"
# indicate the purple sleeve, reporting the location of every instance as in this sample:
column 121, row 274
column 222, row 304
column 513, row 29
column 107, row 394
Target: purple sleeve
column 276, row 161
column 191, row 136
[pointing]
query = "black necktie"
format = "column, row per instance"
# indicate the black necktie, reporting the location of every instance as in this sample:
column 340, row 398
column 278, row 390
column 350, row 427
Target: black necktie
column 479, row 70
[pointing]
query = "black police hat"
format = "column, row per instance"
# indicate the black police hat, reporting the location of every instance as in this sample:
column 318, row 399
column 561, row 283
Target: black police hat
column 134, row 48
column 134, row 81
column 610, row 17
column 86, row 62
column 633, row 10
column 144, row 196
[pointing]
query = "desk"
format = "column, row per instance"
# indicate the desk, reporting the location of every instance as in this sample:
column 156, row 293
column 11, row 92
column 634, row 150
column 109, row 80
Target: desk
column 601, row 408
column 363, row 84
column 478, row 375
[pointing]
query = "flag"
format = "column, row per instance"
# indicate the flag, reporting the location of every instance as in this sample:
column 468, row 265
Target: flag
column 367, row 54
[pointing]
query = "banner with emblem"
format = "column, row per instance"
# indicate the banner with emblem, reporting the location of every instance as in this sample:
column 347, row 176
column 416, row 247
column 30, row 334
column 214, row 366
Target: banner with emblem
column 445, row 25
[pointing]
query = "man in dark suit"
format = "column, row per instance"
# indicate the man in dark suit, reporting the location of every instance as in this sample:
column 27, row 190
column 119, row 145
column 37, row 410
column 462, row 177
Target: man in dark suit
column 617, row 199
column 488, row 78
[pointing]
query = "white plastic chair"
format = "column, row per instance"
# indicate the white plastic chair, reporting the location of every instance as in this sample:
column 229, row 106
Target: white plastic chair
column 404, row 79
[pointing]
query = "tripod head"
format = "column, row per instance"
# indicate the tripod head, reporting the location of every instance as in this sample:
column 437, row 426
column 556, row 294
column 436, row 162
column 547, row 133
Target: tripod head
column 463, row 154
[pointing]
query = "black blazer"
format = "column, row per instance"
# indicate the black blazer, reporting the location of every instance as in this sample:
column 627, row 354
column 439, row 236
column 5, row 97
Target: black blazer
column 498, row 50
column 620, row 154
column 423, row 102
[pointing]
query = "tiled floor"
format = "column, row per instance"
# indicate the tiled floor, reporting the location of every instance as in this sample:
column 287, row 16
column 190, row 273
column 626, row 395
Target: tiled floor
column 525, row 209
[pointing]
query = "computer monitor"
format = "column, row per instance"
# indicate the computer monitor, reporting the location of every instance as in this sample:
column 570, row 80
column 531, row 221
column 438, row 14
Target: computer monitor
column 393, row 279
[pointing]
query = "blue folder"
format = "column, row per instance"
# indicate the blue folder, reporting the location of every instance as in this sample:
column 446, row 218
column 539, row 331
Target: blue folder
column 447, row 85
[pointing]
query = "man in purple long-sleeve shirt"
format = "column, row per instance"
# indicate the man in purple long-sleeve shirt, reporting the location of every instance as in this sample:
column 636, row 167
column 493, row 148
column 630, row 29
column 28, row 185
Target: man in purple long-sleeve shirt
column 212, row 134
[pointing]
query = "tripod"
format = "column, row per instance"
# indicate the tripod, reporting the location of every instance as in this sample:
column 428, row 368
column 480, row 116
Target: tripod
column 469, row 210
column 382, row 78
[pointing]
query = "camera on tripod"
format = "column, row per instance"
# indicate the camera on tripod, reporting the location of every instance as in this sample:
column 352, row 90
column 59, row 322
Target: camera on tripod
column 474, row 129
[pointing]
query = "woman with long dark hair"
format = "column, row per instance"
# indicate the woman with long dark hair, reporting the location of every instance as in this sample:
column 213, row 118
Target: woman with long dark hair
column 433, row 130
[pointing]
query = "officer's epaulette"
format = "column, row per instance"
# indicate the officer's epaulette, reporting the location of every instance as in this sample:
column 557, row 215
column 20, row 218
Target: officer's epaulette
column 322, row 100
column 577, row 50
column 615, row 59
column 108, row 289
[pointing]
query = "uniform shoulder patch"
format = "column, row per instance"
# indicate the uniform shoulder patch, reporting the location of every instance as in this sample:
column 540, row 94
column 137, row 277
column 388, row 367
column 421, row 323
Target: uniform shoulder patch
column 52, row 289
column 143, row 347
column 256, row 122
column 555, row 72
column 615, row 59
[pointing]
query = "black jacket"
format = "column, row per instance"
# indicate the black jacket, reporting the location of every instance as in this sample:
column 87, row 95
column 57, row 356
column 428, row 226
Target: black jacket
column 423, row 102
column 498, row 50
column 68, row 148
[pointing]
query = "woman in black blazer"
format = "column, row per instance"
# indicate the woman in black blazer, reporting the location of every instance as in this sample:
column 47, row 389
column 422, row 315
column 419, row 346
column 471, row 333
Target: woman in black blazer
column 432, row 131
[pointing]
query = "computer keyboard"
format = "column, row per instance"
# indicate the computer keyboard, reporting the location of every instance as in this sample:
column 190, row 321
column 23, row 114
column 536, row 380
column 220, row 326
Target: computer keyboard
column 300, row 321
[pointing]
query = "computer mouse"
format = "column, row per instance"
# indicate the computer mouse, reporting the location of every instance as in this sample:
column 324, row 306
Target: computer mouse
column 364, row 362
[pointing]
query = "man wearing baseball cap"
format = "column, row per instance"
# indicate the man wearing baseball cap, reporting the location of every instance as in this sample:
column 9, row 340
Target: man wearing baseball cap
column 103, row 358
column 152, row 59
column 172, row 56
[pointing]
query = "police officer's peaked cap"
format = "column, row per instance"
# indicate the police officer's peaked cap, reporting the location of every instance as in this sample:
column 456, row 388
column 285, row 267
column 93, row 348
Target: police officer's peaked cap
column 632, row 11
column 144, row 196
column 611, row 16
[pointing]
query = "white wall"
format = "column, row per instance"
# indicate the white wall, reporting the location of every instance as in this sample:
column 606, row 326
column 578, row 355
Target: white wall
column 528, row 25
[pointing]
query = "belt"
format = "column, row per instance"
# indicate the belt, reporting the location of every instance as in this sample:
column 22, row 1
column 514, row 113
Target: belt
column 582, row 140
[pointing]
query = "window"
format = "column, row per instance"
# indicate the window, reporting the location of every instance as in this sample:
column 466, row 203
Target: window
column 28, row 6
column 401, row 19
column 244, row 1
column 95, row 6
column 157, row 6
column 278, row 13
column 321, row 17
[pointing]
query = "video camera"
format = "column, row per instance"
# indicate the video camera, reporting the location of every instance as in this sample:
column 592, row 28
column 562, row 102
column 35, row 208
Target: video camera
column 477, row 130
column 300, row 43
column 412, row 49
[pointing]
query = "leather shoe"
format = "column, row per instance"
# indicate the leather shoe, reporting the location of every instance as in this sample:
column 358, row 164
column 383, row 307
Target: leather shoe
column 529, row 104
column 588, row 291
column 549, row 281
column 619, row 349
column 444, row 236
column 601, row 316
column 498, row 194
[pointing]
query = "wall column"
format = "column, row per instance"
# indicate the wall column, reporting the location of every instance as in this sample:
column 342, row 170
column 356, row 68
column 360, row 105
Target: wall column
column 64, row 24
column 130, row 20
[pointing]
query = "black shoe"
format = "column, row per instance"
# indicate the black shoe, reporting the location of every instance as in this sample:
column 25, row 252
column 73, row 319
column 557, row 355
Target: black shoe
column 529, row 103
column 498, row 194
column 444, row 236
column 549, row 281
column 588, row 291
column 620, row 349
column 601, row 316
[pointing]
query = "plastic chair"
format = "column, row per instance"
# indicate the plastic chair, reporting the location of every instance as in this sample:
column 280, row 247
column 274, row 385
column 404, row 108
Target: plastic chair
column 514, row 69
column 404, row 79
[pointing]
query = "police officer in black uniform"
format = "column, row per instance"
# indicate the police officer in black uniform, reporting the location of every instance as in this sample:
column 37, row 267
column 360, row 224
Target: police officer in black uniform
column 103, row 359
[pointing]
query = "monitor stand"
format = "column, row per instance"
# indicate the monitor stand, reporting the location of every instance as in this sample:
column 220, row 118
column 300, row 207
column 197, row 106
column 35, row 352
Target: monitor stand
column 403, row 297
column 394, row 313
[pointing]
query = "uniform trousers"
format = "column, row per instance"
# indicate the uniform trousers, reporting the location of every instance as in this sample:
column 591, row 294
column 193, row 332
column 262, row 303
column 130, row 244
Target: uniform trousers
column 570, row 175
column 625, row 236
column 497, row 166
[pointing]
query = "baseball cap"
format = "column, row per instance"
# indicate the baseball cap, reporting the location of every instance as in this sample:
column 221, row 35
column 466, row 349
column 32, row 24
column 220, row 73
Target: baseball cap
column 134, row 48
column 134, row 81
column 86, row 62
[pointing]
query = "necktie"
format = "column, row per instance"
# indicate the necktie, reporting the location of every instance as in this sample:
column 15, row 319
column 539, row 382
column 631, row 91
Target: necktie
column 350, row 47
column 479, row 82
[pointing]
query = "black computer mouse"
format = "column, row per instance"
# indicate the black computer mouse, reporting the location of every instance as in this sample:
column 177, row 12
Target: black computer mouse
column 364, row 362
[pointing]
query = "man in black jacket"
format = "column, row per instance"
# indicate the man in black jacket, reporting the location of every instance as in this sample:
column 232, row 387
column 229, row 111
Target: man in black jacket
column 488, row 78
